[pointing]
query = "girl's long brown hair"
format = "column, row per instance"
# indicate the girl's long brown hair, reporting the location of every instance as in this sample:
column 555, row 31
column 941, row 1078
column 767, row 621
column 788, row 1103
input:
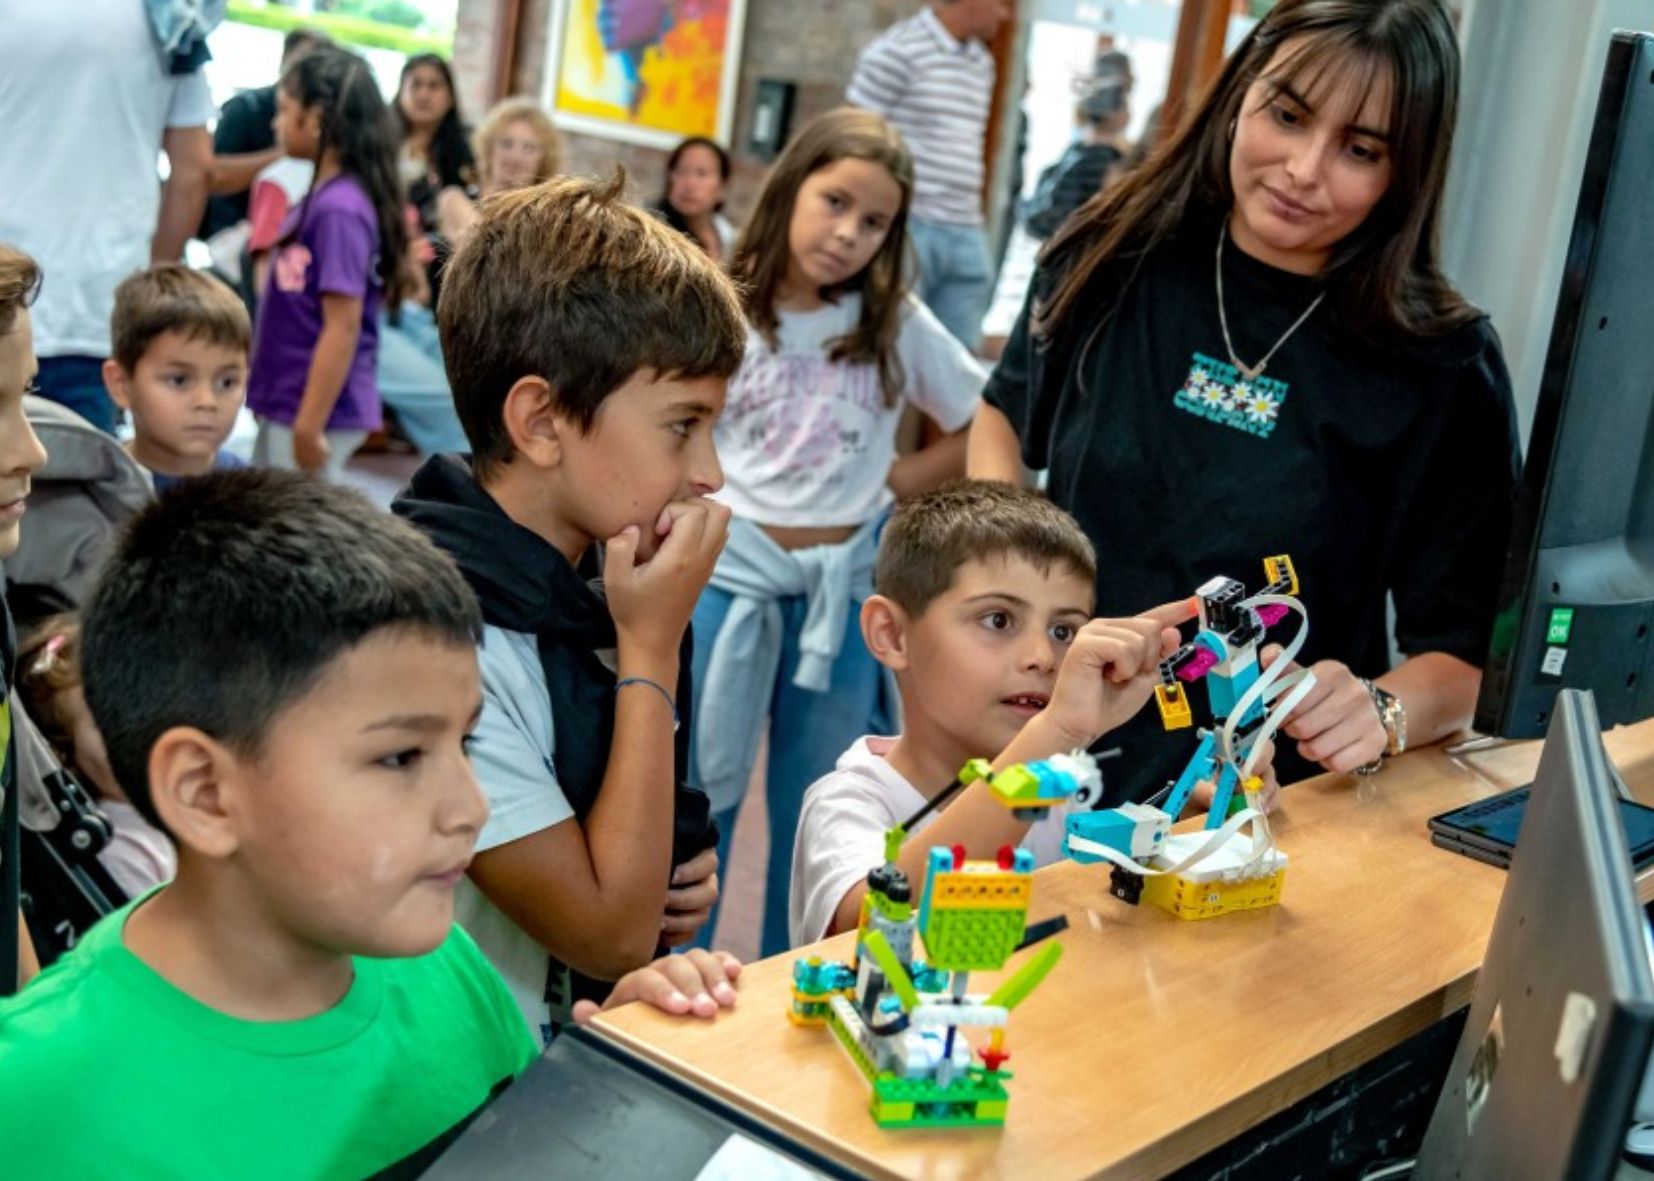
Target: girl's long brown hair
column 762, row 255
column 1383, row 281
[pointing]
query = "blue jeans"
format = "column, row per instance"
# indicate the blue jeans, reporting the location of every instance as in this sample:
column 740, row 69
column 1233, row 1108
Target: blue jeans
column 77, row 382
column 413, row 382
column 954, row 276
column 808, row 732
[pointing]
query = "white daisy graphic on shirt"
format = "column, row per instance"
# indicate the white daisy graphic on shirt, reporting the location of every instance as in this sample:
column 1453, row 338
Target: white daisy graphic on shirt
column 1261, row 407
column 1220, row 393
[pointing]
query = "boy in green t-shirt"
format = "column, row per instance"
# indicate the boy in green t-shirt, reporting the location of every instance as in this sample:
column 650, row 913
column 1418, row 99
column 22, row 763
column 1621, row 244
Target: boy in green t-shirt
column 285, row 679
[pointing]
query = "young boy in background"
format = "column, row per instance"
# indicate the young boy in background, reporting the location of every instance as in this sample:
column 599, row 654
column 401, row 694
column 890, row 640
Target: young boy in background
column 180, row 369
column 286, row 681
column 983, row 611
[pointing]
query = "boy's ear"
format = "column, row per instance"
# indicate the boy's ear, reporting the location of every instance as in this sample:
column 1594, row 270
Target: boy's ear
column 193, row 783
column 115, row 381
column 534, row 421
column 884, row 628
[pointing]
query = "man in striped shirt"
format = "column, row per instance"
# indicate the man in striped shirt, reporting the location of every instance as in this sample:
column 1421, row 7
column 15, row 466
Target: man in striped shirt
column 933, row 78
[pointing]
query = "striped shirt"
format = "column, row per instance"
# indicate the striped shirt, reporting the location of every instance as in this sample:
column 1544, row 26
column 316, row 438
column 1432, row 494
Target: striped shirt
column 936, row 91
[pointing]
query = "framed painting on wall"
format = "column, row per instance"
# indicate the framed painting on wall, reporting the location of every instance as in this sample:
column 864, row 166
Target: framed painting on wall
column 645, row 71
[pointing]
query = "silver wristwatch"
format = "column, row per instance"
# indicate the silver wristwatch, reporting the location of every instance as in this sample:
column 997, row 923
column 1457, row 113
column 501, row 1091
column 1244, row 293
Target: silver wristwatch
column 1393, row 717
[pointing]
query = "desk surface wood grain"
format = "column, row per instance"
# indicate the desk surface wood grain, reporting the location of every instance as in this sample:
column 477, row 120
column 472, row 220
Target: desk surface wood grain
column 1156, row 1040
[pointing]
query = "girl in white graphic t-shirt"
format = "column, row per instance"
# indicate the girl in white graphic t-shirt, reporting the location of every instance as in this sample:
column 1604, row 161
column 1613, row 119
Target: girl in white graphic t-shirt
column 837, row 348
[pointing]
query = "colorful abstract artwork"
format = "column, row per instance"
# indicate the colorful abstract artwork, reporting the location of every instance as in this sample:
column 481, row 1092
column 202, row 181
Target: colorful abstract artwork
column 648, row 71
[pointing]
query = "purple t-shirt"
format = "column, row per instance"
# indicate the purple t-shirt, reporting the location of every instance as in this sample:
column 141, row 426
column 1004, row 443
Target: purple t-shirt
column 336, row 251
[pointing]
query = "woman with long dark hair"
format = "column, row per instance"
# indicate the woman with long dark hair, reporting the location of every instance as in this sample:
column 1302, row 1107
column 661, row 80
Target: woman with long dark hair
column 436, row 149
column 1247, row 347
column 434, row 157
column 697, row 181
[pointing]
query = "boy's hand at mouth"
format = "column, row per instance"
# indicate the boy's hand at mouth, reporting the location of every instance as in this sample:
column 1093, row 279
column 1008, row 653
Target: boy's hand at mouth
column 651, row 601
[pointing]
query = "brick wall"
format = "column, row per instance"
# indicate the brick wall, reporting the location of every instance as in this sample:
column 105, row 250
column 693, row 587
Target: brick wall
column 811, row 43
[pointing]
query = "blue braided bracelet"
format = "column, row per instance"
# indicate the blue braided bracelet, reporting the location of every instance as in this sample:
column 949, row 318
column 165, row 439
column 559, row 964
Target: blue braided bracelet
column 658, row 688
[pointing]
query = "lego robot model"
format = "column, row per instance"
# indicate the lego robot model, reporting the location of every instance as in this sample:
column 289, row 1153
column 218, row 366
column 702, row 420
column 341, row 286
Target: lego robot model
column 900, row 1019
column 1202, row 875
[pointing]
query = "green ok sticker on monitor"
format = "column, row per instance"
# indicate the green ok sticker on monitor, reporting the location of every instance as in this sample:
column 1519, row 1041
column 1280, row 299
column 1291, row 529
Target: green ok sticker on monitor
column 1562, row 625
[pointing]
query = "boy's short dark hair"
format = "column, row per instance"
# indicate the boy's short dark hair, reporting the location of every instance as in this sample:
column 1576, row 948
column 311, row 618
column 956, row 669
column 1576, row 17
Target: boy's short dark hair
column 168, row 297
column 226, row 600
column 931, row 536
column 567, row 282
column 19, row 284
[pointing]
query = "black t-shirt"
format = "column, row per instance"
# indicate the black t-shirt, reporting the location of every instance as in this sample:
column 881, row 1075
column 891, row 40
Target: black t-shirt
column 244, row 125
column 1378, row 470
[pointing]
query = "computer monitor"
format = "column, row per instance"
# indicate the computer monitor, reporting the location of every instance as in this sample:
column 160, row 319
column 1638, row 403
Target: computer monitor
column 1577, row 601
column 1547, row 1075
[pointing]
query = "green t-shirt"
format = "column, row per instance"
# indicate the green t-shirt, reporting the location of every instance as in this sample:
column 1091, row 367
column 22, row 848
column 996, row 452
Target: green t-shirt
column 106, row 1070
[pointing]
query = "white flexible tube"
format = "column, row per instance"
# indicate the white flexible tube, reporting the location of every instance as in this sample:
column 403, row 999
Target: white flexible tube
column 1271, row 684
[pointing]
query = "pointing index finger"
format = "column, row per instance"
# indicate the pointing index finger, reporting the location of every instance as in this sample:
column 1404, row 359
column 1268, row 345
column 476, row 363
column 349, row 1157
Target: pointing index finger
column 1172, row 614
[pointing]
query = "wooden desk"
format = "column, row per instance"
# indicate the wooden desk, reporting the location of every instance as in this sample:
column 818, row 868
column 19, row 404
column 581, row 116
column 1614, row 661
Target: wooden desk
column 1157, row 1040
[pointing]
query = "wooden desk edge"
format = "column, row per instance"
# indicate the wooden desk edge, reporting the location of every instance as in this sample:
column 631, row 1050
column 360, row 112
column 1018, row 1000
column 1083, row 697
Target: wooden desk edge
column 1206, row 1131
column 1203, row 1132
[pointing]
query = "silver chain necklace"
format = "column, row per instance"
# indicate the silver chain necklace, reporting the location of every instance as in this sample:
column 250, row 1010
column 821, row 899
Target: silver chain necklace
column 1253, row 372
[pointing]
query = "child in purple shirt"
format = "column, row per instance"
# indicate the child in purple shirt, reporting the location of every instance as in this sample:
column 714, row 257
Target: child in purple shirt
column 312, row 383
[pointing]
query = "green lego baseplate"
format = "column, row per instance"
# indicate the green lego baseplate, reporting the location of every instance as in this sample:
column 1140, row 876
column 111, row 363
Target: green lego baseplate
column 977, row 1099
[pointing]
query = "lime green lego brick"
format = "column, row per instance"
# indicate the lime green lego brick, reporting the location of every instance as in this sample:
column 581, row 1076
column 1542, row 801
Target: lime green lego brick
column 892, row 1115
column 847, row 1039
column 1017, row 783
column 876, row 946
column 974, row 770
column 896, row 912
column 972, row 940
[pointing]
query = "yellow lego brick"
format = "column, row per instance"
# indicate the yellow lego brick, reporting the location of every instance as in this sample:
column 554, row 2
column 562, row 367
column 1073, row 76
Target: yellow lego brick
column 1175, row 713
column 981, row 891
column 1206, row 900
column 1279, row 567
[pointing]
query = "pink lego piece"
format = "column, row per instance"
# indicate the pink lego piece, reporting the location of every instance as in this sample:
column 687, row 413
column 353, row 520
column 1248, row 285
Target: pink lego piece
column 1202, row 662
column 1272, row 614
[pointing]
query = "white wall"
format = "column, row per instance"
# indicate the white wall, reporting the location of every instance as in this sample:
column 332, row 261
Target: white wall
column 1532, row 69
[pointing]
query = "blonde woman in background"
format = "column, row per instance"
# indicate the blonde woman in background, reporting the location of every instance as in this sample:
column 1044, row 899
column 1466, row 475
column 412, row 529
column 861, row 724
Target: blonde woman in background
column 516, row 146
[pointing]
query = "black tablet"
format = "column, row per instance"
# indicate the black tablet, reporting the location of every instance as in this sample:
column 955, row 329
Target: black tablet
column 1487, row 829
